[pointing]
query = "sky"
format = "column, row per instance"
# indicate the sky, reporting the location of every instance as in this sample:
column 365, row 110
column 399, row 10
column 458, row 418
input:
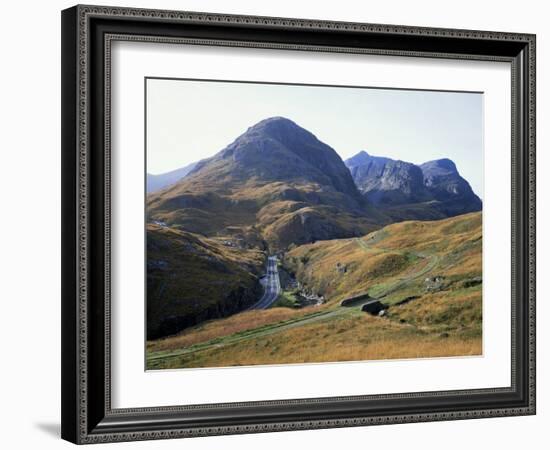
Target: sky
column 191, row 120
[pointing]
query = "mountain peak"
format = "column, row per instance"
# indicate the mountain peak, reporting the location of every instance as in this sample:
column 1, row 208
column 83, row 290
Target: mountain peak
column 360, row 158
column 276, row 176
column 278, row 128
column 274, row 120
column 388, row 182
column 276, row 149
column 439, row 166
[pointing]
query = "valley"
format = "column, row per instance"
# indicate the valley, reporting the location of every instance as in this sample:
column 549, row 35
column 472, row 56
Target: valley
column 422, row 317
column 276, row 251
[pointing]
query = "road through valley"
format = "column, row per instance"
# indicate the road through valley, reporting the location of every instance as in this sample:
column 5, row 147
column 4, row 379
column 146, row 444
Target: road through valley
column 272, row 285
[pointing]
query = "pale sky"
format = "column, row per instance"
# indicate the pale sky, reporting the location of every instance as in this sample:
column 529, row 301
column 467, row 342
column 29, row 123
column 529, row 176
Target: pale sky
column 191, row 120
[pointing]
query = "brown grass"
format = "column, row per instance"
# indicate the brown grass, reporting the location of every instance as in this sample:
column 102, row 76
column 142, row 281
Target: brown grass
column 398, row 250
column 217, row 328
column 436, row 324
column 350, row 339
column 461, row 309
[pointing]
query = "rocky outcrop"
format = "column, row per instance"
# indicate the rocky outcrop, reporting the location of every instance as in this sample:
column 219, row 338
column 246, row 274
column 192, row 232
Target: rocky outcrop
column 385, row 181
column 452, row 192
column 402, row 190
column 234, row 302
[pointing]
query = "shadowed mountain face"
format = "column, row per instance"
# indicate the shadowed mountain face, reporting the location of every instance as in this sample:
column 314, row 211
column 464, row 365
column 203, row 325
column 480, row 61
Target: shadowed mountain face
column 191, row 279
column 406, row 191
column 277, row 182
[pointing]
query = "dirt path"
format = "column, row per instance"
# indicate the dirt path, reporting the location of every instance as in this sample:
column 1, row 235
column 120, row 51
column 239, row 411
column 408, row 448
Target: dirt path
column 400, row 282
column 249, row 334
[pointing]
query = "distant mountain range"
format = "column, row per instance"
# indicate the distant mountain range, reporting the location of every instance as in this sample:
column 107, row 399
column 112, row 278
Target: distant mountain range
column 399, row 189
column 404, row 190
column 158, row 182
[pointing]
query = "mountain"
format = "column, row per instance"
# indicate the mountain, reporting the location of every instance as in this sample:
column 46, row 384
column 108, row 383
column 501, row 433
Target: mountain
column 276, row 149
column 276, row 186
column 385, row 181
column 162, row 180
column 403, row 191
column 277, row 183
column 454, row 194
column 273, row 189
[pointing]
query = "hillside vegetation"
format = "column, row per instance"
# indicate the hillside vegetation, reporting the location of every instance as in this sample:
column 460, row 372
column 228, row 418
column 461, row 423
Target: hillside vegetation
column 426, row 274
column 387, row 260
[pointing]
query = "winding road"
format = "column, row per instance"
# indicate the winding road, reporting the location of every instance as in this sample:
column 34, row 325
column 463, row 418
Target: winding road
column 273, row 289
column 272, row 285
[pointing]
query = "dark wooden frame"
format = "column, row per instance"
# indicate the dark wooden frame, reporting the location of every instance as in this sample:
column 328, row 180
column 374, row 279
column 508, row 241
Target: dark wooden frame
column 87, row 32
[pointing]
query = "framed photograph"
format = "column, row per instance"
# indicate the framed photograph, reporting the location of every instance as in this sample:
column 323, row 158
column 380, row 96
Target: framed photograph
column 278, row 224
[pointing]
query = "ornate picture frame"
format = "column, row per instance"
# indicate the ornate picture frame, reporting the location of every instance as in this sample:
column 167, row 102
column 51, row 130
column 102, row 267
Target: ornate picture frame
column 88, row 33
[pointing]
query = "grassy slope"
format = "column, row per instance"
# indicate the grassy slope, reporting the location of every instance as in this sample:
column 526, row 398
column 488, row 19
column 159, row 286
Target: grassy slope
column 415, row 211
column 404, row 252
column 392, row 264
column 281, row 213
